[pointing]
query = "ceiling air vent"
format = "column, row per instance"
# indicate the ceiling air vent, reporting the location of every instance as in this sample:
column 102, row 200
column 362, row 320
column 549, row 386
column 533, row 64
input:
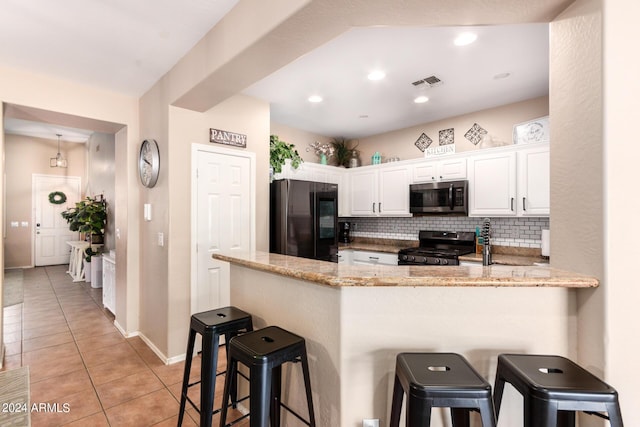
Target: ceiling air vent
column 430, row 81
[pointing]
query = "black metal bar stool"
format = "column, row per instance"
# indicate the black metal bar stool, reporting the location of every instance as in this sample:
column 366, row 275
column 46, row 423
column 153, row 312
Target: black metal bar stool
column 439, row 380
column 553, row 388
column 227, row 321
column 263, row 352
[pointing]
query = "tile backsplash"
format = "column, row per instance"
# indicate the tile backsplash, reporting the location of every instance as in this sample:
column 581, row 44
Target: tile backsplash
column 518, row 232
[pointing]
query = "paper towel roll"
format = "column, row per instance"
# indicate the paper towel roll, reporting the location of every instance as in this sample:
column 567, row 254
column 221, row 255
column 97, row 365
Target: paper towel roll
column 545, row 243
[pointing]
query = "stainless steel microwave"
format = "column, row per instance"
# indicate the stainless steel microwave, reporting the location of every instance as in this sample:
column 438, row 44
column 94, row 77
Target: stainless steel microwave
column 447, row 197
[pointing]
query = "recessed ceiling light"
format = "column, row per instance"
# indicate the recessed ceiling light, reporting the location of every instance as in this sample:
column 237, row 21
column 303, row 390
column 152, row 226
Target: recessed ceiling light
column 421, row 99
column 501, row 76
column 315, row 98
column 465, row 39
column 376, row 75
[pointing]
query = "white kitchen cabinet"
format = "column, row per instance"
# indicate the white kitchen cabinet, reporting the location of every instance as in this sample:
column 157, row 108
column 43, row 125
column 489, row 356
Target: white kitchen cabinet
column 510, row 182
column 440, row 170
column 109, row 283
column 374, row 258
column 533, row 182
column 380, row 191
column 492, row 184
column 345, row 257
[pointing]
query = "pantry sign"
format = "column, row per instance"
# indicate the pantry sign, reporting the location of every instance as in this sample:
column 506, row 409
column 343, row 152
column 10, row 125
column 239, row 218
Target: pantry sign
column 228, row 138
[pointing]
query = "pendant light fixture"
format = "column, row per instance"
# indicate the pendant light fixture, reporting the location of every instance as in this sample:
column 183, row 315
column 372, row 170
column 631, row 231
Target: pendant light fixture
column 58, row 161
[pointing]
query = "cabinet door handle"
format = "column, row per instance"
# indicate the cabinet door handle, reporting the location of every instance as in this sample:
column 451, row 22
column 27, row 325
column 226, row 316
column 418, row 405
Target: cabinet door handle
column 373, row 207
column 374, row 258
column 512, row 203
column 380, row 207
column 524, row 207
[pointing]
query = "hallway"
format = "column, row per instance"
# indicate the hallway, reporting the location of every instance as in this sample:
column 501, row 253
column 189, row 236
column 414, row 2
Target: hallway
column 76, row 356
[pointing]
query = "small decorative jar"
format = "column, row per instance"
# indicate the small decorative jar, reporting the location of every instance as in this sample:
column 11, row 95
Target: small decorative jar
column 323, row 159
column 354, row 161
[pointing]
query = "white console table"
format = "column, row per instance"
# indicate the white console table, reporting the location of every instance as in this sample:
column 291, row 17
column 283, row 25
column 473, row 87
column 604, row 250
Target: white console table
column 76, row 266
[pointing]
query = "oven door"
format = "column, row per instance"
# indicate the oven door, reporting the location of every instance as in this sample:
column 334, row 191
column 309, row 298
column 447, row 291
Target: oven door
column 449, row 197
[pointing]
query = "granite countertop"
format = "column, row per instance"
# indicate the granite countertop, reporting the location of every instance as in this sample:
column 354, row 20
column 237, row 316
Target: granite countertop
column 338, row 275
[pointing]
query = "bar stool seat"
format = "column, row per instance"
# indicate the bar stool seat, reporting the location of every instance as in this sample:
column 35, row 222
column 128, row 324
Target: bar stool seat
column 553, row 388
column 264, row 351
column 227, row 321
column 437, row 380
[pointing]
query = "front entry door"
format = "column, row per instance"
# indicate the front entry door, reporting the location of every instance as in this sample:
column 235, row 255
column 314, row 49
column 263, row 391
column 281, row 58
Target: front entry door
column 224, row 215
column 51, row 230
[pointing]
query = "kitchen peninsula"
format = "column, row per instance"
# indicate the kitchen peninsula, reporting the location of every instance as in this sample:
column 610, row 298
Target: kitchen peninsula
column 357, row 318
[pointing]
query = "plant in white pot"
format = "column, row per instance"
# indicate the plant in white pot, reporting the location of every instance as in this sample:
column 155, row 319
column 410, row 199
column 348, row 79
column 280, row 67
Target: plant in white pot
column 88, row 216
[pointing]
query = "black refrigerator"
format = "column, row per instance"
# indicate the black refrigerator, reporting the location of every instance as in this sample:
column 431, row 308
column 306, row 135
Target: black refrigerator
column 304, row 219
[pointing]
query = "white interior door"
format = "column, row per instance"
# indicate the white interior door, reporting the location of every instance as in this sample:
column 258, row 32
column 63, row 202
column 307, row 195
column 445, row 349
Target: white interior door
column 225, row 212
column 51, row 230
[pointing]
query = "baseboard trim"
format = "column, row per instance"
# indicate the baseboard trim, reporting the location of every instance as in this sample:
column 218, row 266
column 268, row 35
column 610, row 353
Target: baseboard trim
column 123, row 332
column 166, row 360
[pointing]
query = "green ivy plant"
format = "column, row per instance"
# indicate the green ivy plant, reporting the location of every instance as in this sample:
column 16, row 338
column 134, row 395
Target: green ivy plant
column 279, row 151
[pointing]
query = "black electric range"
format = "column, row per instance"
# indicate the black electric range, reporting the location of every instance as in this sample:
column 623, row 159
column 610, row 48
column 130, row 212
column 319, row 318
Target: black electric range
column 438, row 248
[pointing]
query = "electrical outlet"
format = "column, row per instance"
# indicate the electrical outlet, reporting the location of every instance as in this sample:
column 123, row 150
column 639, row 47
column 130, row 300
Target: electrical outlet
column 372, row 422
column 160, row 239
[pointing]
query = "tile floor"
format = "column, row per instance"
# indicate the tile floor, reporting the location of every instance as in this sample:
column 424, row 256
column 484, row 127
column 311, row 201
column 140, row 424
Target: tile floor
column 76, row 356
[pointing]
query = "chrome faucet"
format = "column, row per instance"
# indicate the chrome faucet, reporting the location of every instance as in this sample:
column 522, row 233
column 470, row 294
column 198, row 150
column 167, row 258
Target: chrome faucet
column 486, row 248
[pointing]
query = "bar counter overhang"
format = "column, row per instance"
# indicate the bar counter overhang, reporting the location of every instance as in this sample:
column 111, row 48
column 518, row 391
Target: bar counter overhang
column 357, row 318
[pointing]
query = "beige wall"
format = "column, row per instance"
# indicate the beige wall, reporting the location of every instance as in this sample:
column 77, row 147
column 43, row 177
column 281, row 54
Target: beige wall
column 621, row 201
column 26, row 156
column 78, row 105
column 577, row 234
column 166, row 271
column 497, row 121
column 101, row 171
column 300, row 138
column 154, row 260
column 188, row 127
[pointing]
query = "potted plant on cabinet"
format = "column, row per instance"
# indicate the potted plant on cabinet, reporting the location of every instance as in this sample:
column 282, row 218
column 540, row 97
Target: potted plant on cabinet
column 279, row 151
column 88, row 216
column 342, row 151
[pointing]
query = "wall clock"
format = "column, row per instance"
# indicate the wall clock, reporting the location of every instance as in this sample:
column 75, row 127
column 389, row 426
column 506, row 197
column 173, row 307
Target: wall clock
column 149, row 162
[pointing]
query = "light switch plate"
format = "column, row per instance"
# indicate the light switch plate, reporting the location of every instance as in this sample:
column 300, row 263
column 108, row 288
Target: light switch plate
column 24, row 223
column 14, row 224
column 147, row 211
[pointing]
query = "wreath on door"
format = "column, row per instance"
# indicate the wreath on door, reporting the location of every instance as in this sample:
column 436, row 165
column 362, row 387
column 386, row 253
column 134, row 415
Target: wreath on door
column 57, row 197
